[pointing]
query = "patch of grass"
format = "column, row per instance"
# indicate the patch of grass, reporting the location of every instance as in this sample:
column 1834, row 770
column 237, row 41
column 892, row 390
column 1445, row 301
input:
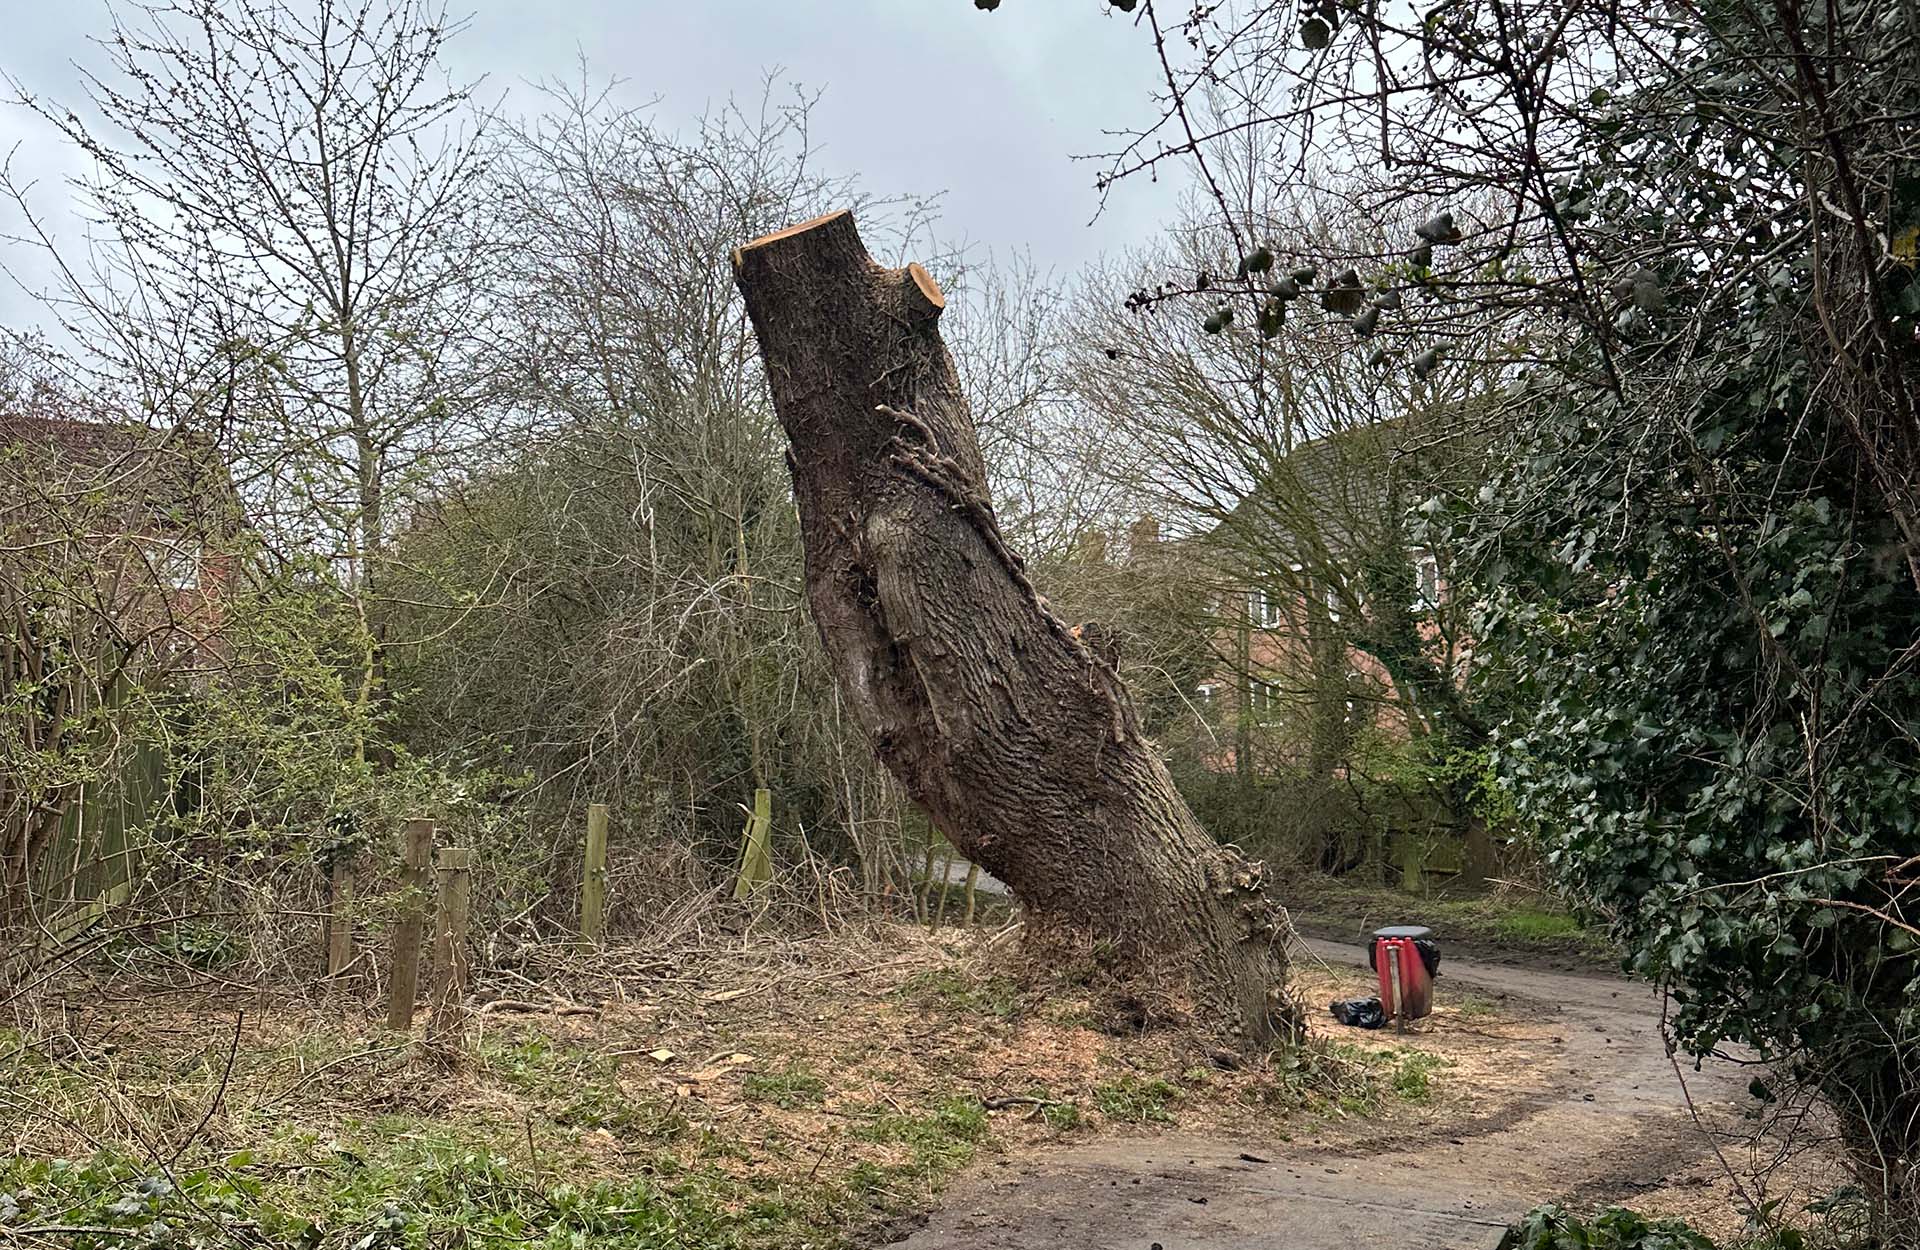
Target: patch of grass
column 1471, row 1005
column 955, row 988
column 1132, row 1100
column 1341, row 1079
column 539, row 1065
column 1413, row 1075
column 382, row 1193
column 577, row 1088
column 790, row 1089
column 602, row 1107
column 1328, row 1077
column 1527, row 922
column 942, row 1139
column 1074, row 1014
column 1062, row 1116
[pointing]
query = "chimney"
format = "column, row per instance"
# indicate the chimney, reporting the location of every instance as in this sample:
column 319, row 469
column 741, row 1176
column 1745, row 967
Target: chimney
column 1143, row 536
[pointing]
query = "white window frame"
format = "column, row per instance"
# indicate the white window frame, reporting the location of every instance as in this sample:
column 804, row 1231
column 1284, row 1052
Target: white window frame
column 1268, row 610
column 1263, row 702
column 1426, row 581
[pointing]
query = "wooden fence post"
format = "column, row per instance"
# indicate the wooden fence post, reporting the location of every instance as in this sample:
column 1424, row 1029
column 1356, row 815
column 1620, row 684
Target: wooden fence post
column 946, row 881
column 455, row 865
column 593, row 883
column 756, row 848
column 340, row 918
column 416, row 844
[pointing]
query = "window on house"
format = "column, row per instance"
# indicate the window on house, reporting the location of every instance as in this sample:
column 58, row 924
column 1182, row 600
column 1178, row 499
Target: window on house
column 1205, row 695
column 1333, row 604
column 177, row 564
column 1267, row 610
column 1426, row 581
column 1264, row 698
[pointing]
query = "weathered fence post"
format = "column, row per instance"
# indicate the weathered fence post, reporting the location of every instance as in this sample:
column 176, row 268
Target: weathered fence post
column 416, row 845
column 923, row 901
column 756, row 850
column 946, row 883
column 340, row 918
column 455, row 865
column 593, row 883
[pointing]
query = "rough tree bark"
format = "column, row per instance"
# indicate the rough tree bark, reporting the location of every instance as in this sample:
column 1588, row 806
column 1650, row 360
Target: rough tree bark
column 1009, row 727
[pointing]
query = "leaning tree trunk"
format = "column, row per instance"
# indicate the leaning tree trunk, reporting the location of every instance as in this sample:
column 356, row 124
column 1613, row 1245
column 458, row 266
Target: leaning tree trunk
column 1009, row 727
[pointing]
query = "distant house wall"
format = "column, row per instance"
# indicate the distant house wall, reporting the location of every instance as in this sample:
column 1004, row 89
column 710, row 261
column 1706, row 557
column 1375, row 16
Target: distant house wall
column 1265, row 641
column 113, row 571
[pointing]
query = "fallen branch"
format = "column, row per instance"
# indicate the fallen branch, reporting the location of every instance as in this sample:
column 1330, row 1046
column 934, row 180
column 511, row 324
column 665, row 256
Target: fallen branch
column 226, row 1074
column 556, row 1007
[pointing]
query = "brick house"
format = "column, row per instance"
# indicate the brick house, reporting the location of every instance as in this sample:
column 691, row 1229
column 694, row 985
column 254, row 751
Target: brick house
column 113, row 565
column 1299, row 731
column 142, row 513
column 1309, row 567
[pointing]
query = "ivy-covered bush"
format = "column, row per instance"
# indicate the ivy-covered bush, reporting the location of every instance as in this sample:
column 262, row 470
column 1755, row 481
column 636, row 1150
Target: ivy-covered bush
column 1552, row 1228
column 1714, row 636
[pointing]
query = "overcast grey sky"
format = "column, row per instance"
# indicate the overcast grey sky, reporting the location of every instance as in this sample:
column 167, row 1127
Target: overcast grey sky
column 919, row 96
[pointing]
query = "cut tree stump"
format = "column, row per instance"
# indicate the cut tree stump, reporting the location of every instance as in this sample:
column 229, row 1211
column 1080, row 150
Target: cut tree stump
column 1010, row 727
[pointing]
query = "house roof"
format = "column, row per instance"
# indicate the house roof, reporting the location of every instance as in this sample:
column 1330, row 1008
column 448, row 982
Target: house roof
column 88, row 444
column 1335, row 496
column 159, row 479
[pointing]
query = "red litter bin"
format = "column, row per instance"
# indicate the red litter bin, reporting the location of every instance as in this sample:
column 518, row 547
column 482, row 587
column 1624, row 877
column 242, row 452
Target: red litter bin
column 1406, row 960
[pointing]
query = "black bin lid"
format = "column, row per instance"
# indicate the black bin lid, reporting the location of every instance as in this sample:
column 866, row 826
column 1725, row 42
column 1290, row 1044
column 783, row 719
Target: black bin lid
column 1403, row 931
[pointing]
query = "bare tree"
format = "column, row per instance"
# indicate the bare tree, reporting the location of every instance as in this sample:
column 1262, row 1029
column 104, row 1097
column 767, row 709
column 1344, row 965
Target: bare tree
column 289, row 253
column 616, row 599
column 1291, row 460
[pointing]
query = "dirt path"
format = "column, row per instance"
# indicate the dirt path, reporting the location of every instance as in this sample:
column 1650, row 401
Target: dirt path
column 1610, row 1121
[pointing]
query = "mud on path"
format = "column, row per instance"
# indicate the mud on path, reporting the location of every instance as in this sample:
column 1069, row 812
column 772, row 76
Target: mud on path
column 1606, row 1120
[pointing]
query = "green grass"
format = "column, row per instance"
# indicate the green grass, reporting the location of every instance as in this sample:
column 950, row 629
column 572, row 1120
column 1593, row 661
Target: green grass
column 1413, row 1075
column 790, row 1089
column 1341, row 1079
column 1528, row 923
column 381, row 1191
column 409, row 1182
column 1063, row 1116
column 1471, row 1005
column 577, row 1088
column 427, row 1168
column 958, row 990
column 943, row 1138
column 1133, row 1100
column 1532, row 924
